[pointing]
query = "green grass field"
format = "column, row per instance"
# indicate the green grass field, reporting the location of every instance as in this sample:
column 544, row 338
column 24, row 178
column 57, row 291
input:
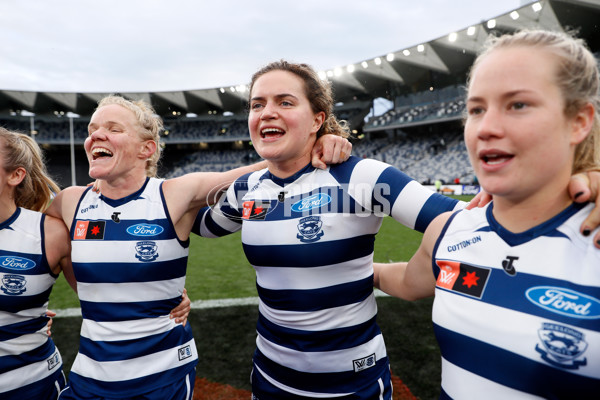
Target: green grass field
column 218, row 269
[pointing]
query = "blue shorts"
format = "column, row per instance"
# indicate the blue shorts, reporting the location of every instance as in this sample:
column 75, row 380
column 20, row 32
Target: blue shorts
column 262, row 389
column 181, row 390
column 45, row 389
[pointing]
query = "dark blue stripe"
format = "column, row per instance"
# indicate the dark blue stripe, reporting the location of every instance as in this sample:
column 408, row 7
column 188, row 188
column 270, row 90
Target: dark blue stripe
column 127, row 311
column 310, row 341
column 334, row 382
column 129, row 272
column 513, row 370
column 39, row 390
column 317, row 299
column 434, row 206
column 16, row 303
column 118, row 350
column 320, row 253
column 12, row 331
column 93, row 388
column 40, row 353
column 211, row 225
column 495, row 293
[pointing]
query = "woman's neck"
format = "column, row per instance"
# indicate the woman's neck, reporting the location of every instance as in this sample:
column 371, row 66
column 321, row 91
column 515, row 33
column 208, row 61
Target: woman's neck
column 520, row 216
column 122, row 187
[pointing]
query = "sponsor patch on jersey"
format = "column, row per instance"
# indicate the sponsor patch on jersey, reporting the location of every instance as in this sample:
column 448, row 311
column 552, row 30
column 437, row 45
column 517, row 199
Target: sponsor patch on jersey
column 564, row 301
column 16, row 263
column 562, row 346
column 364, row 363
column 315, row 201
column 255, row 210
column 184, row 352
column 463, row 278
column 145, row 230
column 310, row 229
column 146, row 251
column 89, row 230
column 13, row 285
column 53, row 361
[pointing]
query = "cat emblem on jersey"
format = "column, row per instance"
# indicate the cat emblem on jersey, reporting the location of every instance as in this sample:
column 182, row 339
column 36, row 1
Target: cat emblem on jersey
column 310, row 229
column 13, row 285
column 562, row 346
column 146, row 250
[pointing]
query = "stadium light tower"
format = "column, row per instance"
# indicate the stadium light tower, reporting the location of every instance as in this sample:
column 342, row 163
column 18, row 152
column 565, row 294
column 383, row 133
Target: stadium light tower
column 71, row 115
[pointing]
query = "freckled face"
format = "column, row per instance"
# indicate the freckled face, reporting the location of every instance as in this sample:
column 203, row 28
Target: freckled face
column 113, row 146
column 515, row 119
column 282, row 123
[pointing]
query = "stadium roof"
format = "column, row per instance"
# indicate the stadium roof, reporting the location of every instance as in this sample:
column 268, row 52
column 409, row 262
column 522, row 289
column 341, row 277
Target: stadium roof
column 435, row 64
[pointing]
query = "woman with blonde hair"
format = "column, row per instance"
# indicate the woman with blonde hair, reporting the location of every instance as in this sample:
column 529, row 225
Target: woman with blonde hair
column 34, row 249
column 517, row 288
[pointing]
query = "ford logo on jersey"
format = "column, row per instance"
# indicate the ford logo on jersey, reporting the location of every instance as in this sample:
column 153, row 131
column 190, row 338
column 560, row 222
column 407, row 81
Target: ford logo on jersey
column 564, row 301
column 16, row 263
column 314, row 201
column 145, row 230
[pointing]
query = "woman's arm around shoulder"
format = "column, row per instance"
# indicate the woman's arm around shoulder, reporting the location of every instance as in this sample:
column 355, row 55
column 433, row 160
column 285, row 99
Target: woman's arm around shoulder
column 413, row 280
column 58, row 249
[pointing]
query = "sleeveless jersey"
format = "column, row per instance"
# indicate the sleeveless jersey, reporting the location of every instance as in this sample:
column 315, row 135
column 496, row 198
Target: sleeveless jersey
column 517, row 316
column 29, row 361
column 130, row 269
column 310, row 238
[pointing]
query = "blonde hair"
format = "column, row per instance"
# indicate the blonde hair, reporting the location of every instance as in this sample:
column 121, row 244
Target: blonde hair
column 577, row 77
column 36, row 190
column 150, row 124
column 317, row 91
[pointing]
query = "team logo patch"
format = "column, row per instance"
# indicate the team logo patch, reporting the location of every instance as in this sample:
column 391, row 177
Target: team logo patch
column 53, row 361
column 89, row 230
column 463, row 278
column 255, row 210
column 310, row 229
column 13, row 285
column 184, row 352
column 562, row 346
column 16, row 263
column 564, row 301
column 145, row 230
column 315, row 201
column 364, row 363
column 146, row 251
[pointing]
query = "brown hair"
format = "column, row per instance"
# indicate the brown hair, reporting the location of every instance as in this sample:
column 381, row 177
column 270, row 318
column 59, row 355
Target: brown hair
column 150, row 125
column 577, row 78
column 317, row 91
column 37, row 188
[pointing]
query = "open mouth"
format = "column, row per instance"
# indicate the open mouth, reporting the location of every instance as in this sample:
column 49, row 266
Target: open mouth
column 271, row 133
column 101, row 152
column 494, row 159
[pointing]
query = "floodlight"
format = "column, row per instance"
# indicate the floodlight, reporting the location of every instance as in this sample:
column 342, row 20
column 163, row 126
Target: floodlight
column 514, row 15
column 337, row 71
column 322, row 75
column 377, row 61
column 406, row 52
column 350, row 68
column 452, row 37
column 536, row 6
column 471, row 30
column 491, row 24
column 329, row 74
column 364, row 64
column 222, row 90
column 390, row 57
column 420, row 48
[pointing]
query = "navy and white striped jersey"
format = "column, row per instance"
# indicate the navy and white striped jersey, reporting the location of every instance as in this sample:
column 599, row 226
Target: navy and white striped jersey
column 310, row 238
column 130, row 269
column 29, row 361
column 517, row 316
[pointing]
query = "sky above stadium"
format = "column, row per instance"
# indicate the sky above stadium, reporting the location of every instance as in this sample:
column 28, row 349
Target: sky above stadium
column 169, row 45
